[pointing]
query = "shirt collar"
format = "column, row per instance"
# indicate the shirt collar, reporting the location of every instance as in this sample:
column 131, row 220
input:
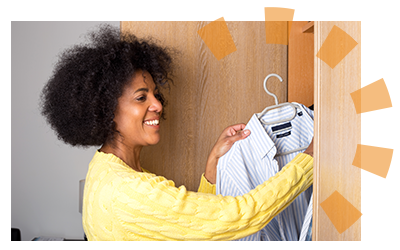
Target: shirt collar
column 259, row 139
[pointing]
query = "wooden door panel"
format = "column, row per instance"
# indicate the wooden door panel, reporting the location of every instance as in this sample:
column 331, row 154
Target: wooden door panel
column 337, row 132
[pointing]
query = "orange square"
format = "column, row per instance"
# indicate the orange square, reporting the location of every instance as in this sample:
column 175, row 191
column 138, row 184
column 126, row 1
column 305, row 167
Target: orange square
column 340, row 211
column 336, row 46
column 218, row 39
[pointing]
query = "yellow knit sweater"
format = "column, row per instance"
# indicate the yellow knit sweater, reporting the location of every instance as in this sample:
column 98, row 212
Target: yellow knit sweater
column 122, row 204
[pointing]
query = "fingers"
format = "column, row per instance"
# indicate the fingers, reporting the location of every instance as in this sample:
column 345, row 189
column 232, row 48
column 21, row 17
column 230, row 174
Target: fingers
column 228, row 137
column 238, row 127
column 239, row 136
column 232, row 130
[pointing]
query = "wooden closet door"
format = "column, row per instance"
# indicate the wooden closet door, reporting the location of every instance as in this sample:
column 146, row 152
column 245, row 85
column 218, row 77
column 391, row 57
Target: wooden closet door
column 209, row 94
column 337, row 131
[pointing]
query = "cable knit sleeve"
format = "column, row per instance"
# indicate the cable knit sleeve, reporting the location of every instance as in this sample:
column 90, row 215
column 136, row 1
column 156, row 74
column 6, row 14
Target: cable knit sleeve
column 143, row 206
column 205, row 186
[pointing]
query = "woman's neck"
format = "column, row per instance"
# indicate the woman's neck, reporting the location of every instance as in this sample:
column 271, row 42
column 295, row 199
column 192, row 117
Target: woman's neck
column 129, row 155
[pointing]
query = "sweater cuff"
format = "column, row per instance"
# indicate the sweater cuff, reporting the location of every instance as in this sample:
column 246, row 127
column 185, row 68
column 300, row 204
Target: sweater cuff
column 205, row 186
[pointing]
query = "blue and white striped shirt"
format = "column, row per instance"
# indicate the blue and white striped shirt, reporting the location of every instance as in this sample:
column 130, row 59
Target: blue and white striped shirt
column 252, row 161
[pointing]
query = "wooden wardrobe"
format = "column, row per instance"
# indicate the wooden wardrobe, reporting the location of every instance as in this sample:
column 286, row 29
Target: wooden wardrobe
column 209, row 94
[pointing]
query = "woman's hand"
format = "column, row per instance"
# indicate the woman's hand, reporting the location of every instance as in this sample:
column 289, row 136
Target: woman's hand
column 225, row 141
column 310, row 149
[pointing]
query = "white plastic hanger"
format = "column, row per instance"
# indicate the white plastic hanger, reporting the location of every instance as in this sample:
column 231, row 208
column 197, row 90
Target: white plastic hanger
column 294, row 106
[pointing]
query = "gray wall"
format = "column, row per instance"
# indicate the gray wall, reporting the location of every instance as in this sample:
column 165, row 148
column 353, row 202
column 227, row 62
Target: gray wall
column 45, row 172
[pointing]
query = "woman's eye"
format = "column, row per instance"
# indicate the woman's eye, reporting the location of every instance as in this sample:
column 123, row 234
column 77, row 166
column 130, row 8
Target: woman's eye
column 141, row 98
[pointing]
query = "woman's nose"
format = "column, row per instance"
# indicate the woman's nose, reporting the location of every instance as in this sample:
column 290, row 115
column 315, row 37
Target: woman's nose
column 155, row 105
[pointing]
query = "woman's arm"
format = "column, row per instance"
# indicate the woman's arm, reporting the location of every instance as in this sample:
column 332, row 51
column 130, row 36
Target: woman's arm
column 151, row 207
column 225, row 141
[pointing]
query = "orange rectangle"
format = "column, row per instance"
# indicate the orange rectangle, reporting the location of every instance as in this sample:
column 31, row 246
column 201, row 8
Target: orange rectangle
column 372, row 97
column 278, row 22
column 373, row 159
column 278, row 14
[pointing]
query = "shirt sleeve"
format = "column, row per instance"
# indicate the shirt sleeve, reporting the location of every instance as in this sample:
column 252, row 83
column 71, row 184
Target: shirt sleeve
column 205, row 186
column 151, row 207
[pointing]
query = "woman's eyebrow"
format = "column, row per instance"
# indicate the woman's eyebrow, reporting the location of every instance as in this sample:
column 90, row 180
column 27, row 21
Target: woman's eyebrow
column 141, row 89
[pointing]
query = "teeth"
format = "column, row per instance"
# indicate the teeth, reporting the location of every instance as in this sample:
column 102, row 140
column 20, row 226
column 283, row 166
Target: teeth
column 154, row 122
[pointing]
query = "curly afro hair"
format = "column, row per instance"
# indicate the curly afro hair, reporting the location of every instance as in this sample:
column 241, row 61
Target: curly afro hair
column 81, row 96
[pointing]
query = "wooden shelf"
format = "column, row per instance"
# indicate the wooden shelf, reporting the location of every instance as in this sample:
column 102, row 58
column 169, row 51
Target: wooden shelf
column 309, row 27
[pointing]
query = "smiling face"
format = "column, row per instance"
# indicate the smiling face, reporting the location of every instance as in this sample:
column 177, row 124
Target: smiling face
column 137, row 115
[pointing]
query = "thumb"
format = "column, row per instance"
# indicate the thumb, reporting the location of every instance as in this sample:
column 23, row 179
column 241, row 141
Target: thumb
column 240, row 135
column 245, row 133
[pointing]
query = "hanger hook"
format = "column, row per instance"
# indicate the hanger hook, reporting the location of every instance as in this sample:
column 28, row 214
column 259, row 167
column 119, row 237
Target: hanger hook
column 265, row 86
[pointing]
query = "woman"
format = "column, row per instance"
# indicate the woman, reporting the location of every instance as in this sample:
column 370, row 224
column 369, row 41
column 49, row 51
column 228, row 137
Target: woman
column 107, row 94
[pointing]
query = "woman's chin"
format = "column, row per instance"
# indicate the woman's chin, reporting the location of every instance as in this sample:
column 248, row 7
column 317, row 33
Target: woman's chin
column 154, row 141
